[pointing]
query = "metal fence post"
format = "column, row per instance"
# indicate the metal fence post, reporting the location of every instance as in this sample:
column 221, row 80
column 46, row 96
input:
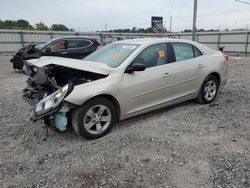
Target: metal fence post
column 197, row 37
column 21, row 37
column 247, row 39
column 218, row 44
column 51, row 35
column 101, row 38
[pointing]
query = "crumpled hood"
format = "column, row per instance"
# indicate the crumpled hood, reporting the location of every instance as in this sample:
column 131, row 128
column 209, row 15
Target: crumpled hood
column 88, row 66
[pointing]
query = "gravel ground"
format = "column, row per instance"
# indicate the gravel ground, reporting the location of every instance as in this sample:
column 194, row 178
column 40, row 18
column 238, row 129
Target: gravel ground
column 186, row 145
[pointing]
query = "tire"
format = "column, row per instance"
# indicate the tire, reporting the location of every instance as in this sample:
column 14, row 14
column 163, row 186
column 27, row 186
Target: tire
column 95, row 118
column 209, row 90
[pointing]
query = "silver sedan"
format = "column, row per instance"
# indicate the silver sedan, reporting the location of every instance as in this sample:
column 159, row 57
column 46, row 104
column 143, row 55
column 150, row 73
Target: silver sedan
column 122, row 80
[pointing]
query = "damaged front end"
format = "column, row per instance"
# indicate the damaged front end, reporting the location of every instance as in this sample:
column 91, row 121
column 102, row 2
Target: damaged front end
column 25, row 53
column 47, row 88
column 53, row 104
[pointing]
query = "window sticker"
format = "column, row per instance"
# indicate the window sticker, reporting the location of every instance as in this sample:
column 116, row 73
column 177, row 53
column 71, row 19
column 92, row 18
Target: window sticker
column 131, row 47
column 161, row 53
column 117, row 56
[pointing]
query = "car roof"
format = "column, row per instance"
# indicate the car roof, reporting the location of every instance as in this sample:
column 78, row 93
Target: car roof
column 150, row 41
column 79, row 38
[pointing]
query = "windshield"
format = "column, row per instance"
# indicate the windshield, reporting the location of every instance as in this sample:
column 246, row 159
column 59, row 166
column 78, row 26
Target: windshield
column 113, row 54
column 40, row 46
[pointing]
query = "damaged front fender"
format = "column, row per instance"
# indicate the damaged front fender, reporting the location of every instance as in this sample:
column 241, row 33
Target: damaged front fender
column 49, row 86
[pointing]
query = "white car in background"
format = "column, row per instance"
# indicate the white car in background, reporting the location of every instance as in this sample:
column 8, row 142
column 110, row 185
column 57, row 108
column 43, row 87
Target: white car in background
column 122, row 80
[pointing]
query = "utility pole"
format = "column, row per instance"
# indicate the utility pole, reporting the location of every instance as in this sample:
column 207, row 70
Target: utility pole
column 194, row 20
column 170, row 27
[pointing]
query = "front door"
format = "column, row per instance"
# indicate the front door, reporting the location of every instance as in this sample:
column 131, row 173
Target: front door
column 148, row 89
column 58, row 48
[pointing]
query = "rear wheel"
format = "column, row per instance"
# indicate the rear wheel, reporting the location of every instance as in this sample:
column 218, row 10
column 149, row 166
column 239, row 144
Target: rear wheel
column 209, row 90
column 95, row 118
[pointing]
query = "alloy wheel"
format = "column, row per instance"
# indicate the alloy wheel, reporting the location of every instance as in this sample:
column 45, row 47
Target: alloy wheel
column 210, row 90
column 97, row 119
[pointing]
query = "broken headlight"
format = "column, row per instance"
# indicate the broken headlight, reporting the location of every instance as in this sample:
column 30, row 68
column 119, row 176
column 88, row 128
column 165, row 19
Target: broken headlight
column 52, row 101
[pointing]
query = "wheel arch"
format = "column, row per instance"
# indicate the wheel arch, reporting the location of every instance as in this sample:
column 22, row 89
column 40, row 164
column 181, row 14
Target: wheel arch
column 199, row 97
column 216, row 75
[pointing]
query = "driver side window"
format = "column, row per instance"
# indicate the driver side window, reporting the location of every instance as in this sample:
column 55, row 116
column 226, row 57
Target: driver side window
column 60, row 45
column 152, row 56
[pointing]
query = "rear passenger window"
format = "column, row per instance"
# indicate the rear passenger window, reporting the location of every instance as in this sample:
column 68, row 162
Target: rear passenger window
column 197, row 52
column 185, row 51
column 86, row 42
column 78, row 43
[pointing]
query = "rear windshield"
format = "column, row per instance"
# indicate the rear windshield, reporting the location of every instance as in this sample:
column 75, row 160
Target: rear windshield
column 113, row 54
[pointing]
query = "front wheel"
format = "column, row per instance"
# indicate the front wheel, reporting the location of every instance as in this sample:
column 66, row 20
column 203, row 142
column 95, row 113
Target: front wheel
column 95, row 118
column 209, row 90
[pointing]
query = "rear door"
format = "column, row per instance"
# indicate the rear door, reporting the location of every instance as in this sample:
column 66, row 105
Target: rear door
column 79, row 48
column 186, row 68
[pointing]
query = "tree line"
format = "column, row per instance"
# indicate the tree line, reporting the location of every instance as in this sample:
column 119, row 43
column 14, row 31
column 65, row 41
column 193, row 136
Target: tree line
column 133, row 30
column 25, row 25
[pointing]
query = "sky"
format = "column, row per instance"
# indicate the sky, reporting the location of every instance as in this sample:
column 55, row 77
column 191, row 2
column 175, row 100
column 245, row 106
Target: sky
column 92, row 15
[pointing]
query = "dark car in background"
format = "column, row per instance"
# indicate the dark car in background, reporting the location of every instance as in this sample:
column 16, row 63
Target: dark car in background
column 74, row 47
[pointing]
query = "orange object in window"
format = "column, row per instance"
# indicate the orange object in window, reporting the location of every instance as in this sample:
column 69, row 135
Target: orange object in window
column 161, row 53
column 117, row 56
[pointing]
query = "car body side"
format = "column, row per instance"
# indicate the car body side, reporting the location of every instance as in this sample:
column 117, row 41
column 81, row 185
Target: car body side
column 129, row 104
column 34, row 51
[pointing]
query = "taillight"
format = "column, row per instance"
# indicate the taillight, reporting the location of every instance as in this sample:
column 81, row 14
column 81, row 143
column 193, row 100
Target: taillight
column 98, row 47
column 225, row 56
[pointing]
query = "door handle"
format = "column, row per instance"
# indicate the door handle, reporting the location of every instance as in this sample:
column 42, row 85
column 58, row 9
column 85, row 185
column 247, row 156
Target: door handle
column 167, row 75
column 63, row 52
column 200, row 66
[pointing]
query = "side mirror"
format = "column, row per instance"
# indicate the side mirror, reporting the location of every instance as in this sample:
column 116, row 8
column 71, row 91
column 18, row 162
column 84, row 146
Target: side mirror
column 48, row 49
column 135, row 67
